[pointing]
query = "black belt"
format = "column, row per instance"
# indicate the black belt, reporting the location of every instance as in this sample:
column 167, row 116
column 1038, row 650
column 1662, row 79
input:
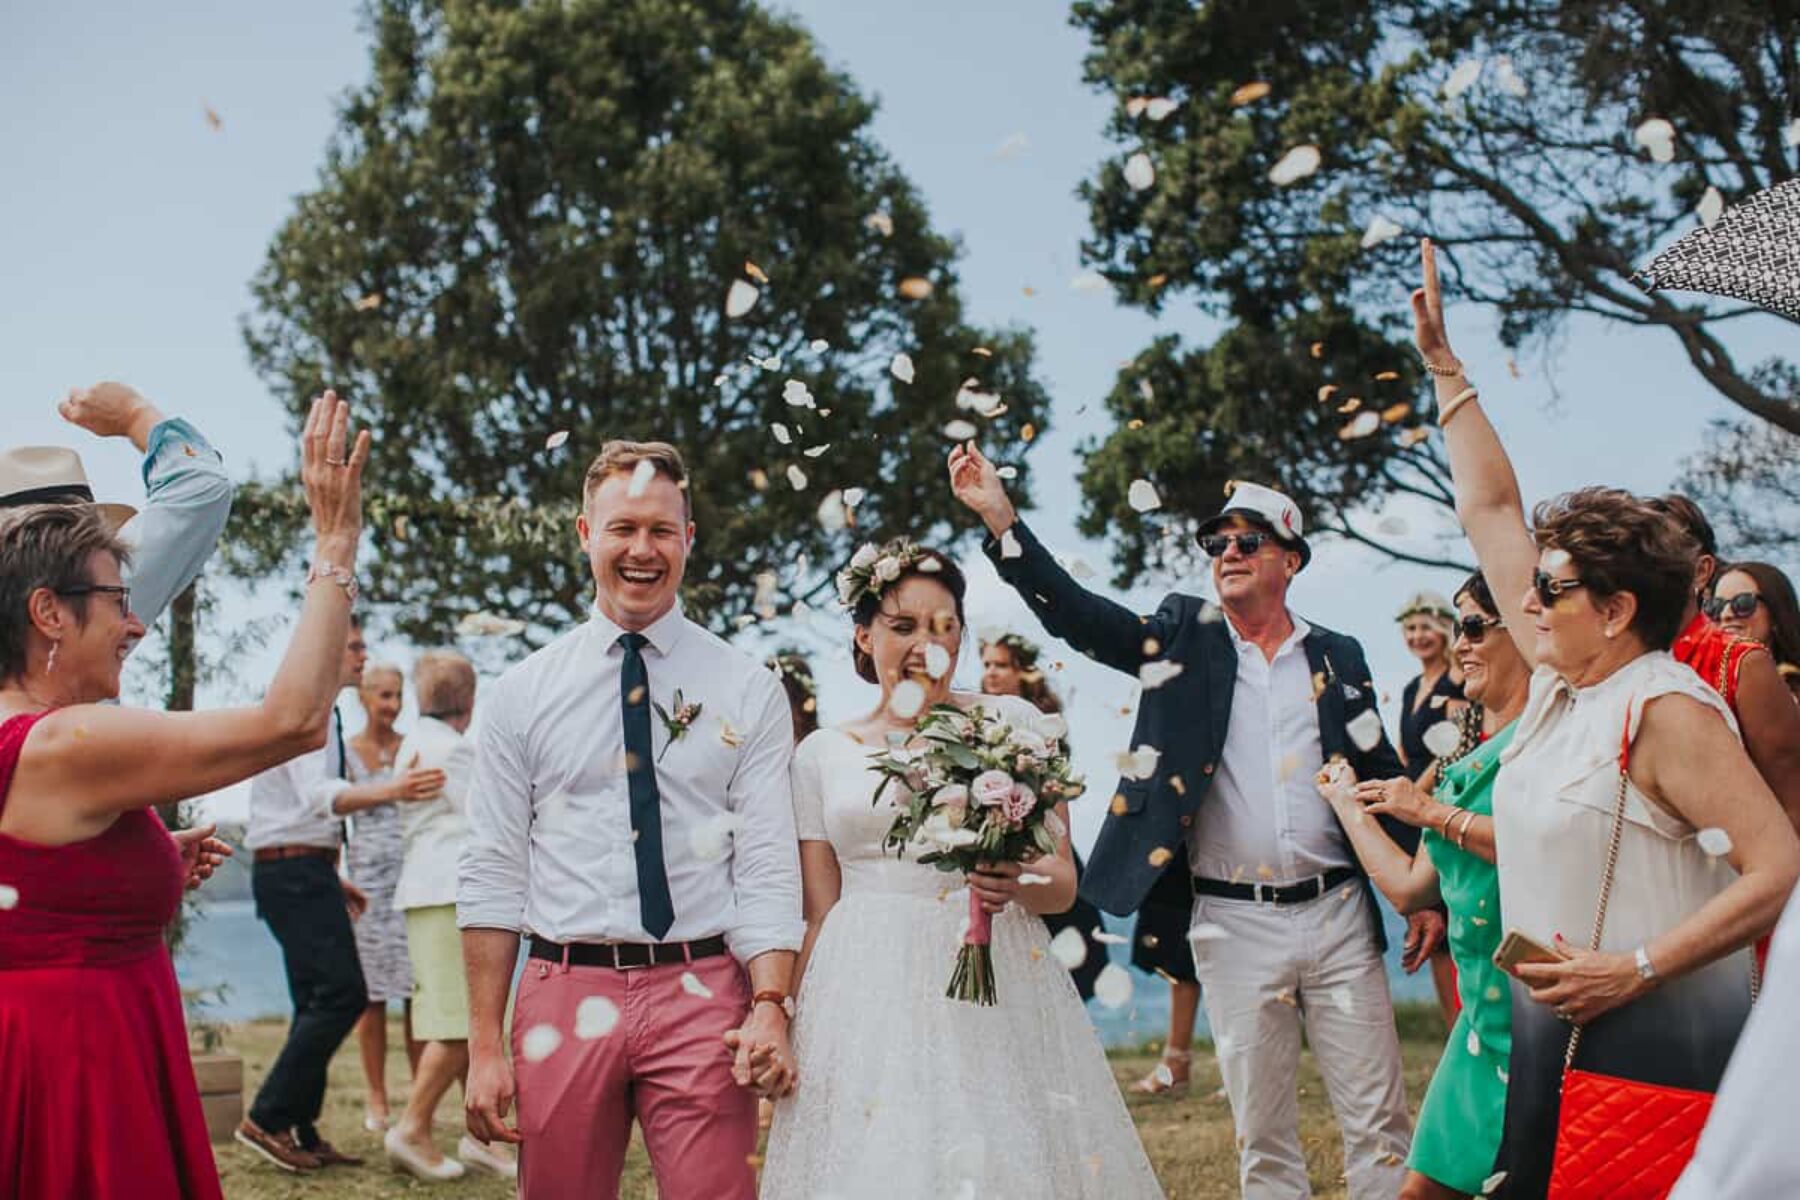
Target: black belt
column 1269, row 893
column 624, row 956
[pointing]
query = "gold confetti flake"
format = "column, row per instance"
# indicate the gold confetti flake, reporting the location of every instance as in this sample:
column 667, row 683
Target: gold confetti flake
column 1396, row 412
column 1327, row 392
column 1265, row 872
column 1350, row 405
column 1027, row 432
column 755, row 272
column 369, row 303
column 1250, row 93
column 1118, row 804
column 1178, row 784
column 1386, row 376
column 213, row 120
column 915, row 287
column 1414, row 436
column 1157, row 280
column 1317, row 350
column 983, row 351
column 1135, row 423
column 1160, row 856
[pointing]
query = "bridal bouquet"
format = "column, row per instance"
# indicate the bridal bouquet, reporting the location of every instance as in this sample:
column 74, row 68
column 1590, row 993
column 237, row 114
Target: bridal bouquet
column 980, row 789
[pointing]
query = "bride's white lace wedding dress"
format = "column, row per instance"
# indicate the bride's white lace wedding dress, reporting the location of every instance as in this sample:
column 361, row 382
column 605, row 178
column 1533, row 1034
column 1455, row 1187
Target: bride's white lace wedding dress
column 906, row 1094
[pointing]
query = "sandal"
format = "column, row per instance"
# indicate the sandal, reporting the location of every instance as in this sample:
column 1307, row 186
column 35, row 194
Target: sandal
column 1163, row 1081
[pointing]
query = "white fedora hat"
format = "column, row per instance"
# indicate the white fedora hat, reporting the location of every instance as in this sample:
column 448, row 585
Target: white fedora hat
column 1272, row 510
column 52, row 475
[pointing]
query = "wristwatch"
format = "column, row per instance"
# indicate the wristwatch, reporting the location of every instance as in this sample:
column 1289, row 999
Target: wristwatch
column 1645, row 968
column 780, row 1000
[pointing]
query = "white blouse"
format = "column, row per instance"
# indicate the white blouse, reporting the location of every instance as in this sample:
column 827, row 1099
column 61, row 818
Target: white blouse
column 1553, row 810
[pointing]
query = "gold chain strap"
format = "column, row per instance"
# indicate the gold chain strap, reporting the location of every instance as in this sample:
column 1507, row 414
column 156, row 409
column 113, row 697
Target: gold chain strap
column 1606, row 883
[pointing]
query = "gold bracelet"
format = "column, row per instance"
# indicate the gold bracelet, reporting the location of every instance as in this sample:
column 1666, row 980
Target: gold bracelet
column 1462, row 835
column 1455, row 402
column 1450, row 372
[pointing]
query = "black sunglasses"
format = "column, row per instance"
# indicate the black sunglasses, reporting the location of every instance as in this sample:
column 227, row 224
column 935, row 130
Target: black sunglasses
column 110, row 589
column 1740, row 605
column 1550, row 590
column 1473, row 628
column 1215, row 544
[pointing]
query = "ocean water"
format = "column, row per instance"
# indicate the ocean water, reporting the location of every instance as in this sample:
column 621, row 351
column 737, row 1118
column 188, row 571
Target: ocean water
column 231, row 953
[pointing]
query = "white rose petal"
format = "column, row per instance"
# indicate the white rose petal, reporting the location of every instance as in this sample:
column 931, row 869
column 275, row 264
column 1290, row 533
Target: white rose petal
column 1657, row 136
column 1714, row 841
column 853, row 496
column 1442, row 739
column 1140, row 172
column 710, row 840
column 881, row 223
column 1032, row 879
column 1157, row 672
column 1463, row 78
column 1206, row 931
column 1158, row 107
column 1090, row 282
column 902, row 367
column 970, row 398
column 1365, row 729
column 1508, row 78
column 1380, row 230
column 1112, row 987
column 1361, row 426
column 1009, row 545
column 818, row 345
column 1110, row 939
column 1142, row 497
column 1492, row 1183
column 539, row 1043
column 960, row 431
column 1473, row 1045
column 595, row 1017
column 690, row 983
column 556, row 439
column 1295, row 165
column 1069, row 948
column 781, row 433
column 1007, row 472
column 797, row 478
column 865, row 556
column 1345, row 1000
column 641, row 475
column 1712, row 204
column 816, row 451
column 831, row 513
column 796, row 394
column 1139, row 763
column 908, row 698
column 937, row 661
column 740, row 299
column 9, row 896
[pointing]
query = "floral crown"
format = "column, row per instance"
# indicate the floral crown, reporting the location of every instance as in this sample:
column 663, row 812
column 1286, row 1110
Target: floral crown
column 791, row 664
column 872, row 568
column 1024, row 651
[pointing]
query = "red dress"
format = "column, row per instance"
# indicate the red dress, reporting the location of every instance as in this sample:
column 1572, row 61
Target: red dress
column 97, row 1091
column 1715, row 655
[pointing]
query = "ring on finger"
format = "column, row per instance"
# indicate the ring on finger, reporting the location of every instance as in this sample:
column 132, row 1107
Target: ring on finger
column 337, row 462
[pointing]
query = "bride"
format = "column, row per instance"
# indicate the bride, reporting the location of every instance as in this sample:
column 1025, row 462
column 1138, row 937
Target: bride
column 903, row 1092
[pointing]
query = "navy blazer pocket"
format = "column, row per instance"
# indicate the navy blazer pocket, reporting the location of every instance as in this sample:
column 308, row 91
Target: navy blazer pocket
column 1135, row 793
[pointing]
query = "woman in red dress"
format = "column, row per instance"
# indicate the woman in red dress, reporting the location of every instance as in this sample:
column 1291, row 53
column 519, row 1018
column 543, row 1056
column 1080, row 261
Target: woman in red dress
column 97, row 1091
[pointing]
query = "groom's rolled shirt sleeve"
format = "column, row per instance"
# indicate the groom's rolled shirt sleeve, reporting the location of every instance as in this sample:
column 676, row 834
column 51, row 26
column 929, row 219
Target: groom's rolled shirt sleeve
column 765, row 855
column 493, row 875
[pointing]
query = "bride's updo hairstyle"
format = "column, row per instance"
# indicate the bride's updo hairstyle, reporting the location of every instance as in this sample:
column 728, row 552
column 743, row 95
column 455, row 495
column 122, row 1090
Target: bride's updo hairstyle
column 875, row 569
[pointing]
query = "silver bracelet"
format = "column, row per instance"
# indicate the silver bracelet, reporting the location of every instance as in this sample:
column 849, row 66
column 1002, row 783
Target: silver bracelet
column 332, row 573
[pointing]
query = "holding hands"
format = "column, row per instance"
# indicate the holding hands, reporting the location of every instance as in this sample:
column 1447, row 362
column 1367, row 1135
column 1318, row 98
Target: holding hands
column 764, row 1061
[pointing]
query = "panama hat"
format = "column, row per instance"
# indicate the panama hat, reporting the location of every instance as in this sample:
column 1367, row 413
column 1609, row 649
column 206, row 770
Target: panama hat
column 52, row 475
column 1268, row 508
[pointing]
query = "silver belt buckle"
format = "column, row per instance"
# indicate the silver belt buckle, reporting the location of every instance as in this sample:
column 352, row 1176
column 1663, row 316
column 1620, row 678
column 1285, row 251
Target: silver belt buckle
column 1257, row 890
column 624, row 966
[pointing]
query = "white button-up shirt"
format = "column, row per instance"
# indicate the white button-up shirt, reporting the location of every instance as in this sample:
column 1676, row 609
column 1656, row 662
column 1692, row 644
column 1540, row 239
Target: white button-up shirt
column 1264, row 821
column 550, row 846
column 290, row 805
column 434, row 830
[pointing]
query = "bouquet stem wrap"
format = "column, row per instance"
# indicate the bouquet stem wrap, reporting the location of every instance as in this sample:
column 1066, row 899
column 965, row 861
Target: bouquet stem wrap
column 973, row 979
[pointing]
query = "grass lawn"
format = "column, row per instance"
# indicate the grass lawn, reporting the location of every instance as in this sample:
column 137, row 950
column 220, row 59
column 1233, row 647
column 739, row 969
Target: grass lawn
column 1189, row 1140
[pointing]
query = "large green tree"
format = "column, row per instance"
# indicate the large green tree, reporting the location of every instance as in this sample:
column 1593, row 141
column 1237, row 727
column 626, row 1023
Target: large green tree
column 530, row 220
column 1507, row 130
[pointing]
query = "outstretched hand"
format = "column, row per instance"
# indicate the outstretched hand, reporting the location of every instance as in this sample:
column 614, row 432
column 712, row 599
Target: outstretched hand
column 1429, row 332
column 977, row 483
column 109, row 409
column 331, row 467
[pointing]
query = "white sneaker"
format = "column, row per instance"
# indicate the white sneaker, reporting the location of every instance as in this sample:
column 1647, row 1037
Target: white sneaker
column 404, row 1157
column 477, row 1155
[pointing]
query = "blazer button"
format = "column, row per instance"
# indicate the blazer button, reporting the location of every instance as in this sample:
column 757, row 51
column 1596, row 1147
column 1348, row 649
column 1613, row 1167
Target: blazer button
column 1187, row 820
column 1209, row 768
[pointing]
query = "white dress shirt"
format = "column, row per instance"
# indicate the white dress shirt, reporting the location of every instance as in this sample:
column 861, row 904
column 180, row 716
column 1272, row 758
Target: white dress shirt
column 550, row 846
column 290, row 805
column 1263, row 821
column 434, row 830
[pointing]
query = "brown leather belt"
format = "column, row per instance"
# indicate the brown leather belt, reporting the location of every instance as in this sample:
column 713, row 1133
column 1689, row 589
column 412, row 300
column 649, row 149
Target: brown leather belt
column 270, row 854
column 624, row 956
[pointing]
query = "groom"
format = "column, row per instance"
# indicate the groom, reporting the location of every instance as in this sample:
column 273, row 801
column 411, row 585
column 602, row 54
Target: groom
column 1252, row 702
column 643, row 849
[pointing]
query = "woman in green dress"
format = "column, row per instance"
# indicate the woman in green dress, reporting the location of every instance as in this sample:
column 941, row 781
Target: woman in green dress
column 1458, row 1134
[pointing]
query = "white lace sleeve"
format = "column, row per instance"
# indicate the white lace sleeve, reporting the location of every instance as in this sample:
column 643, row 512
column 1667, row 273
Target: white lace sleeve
column 809, row 792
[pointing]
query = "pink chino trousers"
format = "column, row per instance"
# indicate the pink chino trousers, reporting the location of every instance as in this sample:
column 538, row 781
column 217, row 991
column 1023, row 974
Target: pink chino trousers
column 664, row 1063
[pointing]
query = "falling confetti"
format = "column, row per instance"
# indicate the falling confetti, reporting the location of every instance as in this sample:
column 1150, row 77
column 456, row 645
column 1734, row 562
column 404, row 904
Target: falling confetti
column 368, row 303
column 797, row 395
column 556, row 439
column 796, row 478
column 915, row 287
column 539, row 1043
column 1160, row 856
column 1112, row 987
column 960, row 431
column 816, row 451
column 1069, row 948
column 1360, row 426
column 1395, row 413
column 1154, row 674
column 1492, row 1183
column 730, row 735
column 881, row 223
column 1007, row 472
column 755, row 272
column 641, row 475
column 1249, row 93
column 1032, row 879
column 1712, row 204
column 937, row 660
column 1140, row 172
column 1091, row 283
column 902, row 367
column 781, row 433
column 1139, row 763
column 1442, row 739
column 213, row 120
column 1158, row 107
column 1473, row 1045
column 1142, row 497
column 1295, row 165
column 1364, row 729
column 595, row 1017
column 9, row 896
column 690, row 983
column 740, row 298
column 907, row 699
column 1380, row 230
column 1009, row 546
column 1463, row 78
column 1206, row 931
column 1508, row 78
column 1013, row 147
column 710, row 840
column 1658, row 137
column 1714, row 841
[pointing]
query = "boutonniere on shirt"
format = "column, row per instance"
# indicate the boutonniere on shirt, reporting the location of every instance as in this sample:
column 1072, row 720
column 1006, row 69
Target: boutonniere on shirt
column 676, row 724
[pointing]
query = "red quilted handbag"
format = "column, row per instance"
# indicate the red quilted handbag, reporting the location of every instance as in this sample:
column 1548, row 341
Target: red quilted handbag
column 1617, row 1138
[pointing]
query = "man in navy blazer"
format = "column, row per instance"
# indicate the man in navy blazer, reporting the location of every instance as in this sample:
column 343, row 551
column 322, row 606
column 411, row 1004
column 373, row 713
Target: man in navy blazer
column 1243, row 704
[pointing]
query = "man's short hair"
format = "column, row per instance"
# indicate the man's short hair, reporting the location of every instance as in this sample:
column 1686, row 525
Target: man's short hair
column 445, row 683
column 621, row 457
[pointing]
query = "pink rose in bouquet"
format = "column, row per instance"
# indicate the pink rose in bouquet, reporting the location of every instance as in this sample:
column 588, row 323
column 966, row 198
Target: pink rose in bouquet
column 991, row 788
column 1017, row 806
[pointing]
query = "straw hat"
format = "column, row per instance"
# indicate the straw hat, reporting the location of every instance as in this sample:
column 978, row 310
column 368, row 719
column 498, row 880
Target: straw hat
column 52, row 475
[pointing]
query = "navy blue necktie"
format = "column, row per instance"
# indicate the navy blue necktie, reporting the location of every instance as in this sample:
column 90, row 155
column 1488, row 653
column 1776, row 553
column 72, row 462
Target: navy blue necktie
column 654, row 905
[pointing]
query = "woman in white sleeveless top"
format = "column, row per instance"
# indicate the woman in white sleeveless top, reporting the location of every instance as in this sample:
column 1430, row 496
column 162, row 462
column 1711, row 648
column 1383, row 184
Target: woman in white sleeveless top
column 1593, row 593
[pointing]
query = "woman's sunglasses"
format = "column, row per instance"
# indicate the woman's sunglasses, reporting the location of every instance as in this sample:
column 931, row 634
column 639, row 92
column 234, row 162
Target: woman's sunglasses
column 1472, row 628
column 1740, row 605
column 110, row 589
column 1550, row 590
column 1215, row 544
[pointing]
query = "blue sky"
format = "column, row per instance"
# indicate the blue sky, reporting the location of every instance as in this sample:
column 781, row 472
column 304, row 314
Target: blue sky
column 129, row 230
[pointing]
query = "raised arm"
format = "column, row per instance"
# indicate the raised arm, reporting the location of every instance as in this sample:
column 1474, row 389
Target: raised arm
column 1487, row 491
column 74, row 753
column 1099, row 628
column 187, row 495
